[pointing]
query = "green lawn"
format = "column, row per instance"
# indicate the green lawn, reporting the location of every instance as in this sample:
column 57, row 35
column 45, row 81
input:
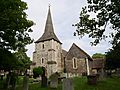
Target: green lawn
column 107, row 84
column 79, row 84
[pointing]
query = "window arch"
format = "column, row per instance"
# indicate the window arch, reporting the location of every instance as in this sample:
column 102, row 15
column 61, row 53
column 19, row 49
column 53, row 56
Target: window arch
column 74, row 63
column 43, row 46
column 42, row 60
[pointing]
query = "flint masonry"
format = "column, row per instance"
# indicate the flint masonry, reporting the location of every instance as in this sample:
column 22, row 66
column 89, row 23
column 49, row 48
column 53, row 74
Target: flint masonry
column 49, row 54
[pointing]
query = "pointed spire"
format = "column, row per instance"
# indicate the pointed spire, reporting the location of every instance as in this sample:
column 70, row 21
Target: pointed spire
column 49, row 30
column 49, row 19
column 49, row 24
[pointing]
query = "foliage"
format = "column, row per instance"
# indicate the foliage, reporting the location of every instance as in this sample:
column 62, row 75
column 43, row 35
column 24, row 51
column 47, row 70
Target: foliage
column 96, row 16
column 14, row 31
column 14, row 26
column 23, row 61
column 18, row 60
column 113, row 58
column 98, row 55
column 37, row 71
column 8, row 60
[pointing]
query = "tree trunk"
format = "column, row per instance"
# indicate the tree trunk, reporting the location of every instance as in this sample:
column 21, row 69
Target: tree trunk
column 7, row 83
column 13, row 79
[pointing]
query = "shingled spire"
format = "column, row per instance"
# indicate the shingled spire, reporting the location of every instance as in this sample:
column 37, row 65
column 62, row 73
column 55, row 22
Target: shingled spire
column 49, row 30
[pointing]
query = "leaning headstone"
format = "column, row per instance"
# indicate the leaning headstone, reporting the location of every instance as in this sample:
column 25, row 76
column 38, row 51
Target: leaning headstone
column 54, row 80
column 67, row 84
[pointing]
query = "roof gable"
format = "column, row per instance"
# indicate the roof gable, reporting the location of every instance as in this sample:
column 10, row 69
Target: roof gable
column 77, row 52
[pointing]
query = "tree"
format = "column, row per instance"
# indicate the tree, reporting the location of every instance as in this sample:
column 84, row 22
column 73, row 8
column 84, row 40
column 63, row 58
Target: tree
column 19, row 62
column 112, row 58
column 98, row 55
column 14, row 25
column 14, row 34
column 14, row 31
column 23, row 61
column 23, row 64
column 106, row 13
column 7, row 60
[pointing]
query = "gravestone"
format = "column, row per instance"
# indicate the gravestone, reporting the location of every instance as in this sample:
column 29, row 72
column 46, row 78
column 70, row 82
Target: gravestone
column 101, row 75
column 25, row 82
column 44, row 81
column 43, row 78
column 54, row 80
column 67, row 84
column 92, row 79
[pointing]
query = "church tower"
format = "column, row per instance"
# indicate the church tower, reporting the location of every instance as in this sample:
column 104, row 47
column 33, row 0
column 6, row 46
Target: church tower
column 48, row 49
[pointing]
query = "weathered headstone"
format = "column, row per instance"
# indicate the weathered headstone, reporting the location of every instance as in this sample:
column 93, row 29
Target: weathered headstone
column 67, row 84
column 92, row 79
column 25, row 82
column 54, row 80
column 44, row 81
column 101, row 75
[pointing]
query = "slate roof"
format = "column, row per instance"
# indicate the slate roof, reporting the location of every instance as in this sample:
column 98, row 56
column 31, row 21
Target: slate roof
column 49, row 30
column 77, row 52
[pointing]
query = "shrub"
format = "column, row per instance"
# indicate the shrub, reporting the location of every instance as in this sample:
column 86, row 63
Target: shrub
column 37, row 71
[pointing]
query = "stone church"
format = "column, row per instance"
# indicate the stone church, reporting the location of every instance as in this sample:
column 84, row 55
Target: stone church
column 49, row 54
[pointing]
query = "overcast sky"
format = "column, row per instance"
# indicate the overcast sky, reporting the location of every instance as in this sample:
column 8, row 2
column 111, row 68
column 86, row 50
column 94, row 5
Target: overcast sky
column 64, row 14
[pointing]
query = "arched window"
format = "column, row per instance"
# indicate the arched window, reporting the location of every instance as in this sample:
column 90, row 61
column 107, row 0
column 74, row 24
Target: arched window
column 74, row 63
column 42, row 60
column 43, row 46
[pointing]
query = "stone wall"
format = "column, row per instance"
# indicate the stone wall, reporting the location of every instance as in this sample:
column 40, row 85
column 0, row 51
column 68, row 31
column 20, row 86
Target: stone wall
column 48, row 51
column 81, row 67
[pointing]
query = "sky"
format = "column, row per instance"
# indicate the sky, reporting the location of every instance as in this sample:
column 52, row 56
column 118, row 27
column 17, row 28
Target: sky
column 65, row 13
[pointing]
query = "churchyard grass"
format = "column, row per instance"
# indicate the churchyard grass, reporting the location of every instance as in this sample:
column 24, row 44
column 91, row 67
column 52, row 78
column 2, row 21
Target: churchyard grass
column 107, row 84
column 80, row 83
